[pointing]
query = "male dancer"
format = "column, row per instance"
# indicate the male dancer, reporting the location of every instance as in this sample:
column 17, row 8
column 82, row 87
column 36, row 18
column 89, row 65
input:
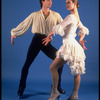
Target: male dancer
column 42, row 21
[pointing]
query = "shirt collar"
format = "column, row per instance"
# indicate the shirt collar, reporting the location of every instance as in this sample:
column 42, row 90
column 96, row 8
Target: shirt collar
column 43, row 15
column 42, row 12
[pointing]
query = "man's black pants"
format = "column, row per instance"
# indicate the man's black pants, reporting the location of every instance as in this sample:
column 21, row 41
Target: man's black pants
column 34, row 48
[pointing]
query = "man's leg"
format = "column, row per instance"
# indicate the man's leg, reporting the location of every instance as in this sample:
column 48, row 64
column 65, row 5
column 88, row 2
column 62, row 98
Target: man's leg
column 59, row 82
column 50, row 51
column 32, row 53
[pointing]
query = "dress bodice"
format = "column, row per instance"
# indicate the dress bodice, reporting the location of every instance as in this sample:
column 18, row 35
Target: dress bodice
column 68, row 27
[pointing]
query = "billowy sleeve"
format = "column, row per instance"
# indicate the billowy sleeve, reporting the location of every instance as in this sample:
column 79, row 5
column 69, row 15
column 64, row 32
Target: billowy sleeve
column 59, row 18
column 59, row 29
column 23, row 27
column 82, row 29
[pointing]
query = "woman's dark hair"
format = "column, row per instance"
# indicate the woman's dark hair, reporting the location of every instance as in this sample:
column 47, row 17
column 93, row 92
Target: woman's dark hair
column 41, row 3
column 76, row 1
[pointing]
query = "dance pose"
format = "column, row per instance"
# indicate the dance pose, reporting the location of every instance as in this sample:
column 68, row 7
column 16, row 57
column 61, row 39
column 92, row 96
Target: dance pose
column 71, row 51
column 41, row 21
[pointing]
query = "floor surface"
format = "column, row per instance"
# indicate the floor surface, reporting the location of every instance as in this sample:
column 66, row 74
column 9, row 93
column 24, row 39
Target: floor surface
column 40, row 90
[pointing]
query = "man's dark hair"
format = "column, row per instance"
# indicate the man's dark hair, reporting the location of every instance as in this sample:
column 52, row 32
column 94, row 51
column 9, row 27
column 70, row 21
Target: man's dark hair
column 41, row 3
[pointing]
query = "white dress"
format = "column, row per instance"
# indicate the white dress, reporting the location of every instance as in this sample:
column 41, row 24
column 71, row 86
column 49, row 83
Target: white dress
column 71, row 51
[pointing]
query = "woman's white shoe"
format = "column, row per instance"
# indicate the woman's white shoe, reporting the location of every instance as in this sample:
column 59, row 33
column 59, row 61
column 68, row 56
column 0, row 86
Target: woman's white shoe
column 54, row 94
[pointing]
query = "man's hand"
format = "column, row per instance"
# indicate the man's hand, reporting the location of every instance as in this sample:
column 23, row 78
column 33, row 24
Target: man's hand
column 12, row 37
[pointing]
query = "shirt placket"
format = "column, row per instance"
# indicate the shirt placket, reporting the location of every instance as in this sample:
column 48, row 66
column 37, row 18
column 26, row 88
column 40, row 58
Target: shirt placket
column 46, row 26
column 45, row 22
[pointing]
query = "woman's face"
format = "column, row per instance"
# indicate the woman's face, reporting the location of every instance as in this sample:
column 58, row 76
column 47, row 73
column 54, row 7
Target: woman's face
column 70, row 5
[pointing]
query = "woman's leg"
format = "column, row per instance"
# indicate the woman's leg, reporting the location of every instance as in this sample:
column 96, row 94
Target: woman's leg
column 50, row 51
column 57, row 63
column 77, row 80
column 74, row 95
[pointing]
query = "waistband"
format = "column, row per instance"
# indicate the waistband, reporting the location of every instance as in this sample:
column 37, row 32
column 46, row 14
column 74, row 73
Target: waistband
column 39, row 34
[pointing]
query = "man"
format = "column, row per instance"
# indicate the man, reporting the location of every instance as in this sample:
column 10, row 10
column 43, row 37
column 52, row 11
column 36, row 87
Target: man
column 42, row 21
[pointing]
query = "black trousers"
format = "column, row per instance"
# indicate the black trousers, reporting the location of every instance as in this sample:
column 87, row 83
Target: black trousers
column 34, row 48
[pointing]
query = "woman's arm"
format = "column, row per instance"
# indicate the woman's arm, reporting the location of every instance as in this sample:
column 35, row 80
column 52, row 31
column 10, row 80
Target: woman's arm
column 82, row 32
column 58, row 29
column 48, row 39
column 81, row 41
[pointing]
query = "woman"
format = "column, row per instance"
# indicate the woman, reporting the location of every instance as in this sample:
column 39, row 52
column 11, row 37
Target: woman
column 71, row 51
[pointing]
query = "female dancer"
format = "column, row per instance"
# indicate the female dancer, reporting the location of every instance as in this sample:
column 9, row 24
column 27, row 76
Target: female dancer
column 71, row 51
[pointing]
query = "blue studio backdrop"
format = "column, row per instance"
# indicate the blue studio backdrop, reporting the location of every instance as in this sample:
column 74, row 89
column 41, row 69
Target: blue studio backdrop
column 13, row 56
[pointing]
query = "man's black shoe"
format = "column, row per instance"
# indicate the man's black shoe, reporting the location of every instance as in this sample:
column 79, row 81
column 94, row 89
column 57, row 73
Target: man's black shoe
column 61, row 90
column 20, row 91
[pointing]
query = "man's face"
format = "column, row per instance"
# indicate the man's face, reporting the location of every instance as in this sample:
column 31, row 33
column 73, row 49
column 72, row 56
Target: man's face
column 47, row 3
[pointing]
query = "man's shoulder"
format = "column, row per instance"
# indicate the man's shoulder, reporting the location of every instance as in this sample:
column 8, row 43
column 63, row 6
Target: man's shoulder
column 36, row 12
column 54, row 12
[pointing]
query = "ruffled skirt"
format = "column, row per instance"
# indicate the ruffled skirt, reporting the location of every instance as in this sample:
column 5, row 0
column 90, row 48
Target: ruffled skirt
column 72, row 52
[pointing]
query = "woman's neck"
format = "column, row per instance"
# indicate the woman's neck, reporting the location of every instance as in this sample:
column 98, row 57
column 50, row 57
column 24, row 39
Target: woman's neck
column 74, row 11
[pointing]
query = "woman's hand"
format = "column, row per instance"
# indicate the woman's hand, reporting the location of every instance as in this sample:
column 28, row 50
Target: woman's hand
column 47, row 40
column 82, row 43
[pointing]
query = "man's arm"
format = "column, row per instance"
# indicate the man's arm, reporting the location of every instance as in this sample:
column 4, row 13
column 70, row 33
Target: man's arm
column 12, row 37
column 22, row 28
column 59, row 18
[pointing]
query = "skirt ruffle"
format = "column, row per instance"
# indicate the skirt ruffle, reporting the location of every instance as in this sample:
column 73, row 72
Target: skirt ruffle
column 72, row 52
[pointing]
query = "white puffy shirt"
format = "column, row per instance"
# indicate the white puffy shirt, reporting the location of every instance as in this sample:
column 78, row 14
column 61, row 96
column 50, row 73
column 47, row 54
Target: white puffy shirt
column 38, row 22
